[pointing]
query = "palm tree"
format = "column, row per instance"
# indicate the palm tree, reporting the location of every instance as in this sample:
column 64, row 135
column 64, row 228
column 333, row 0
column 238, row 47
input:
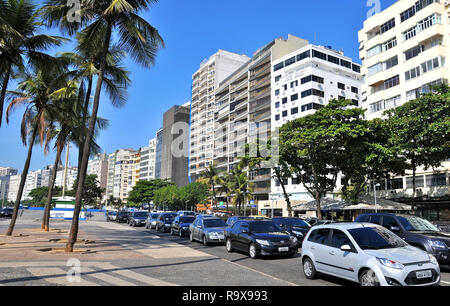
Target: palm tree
column 19, row 43
column 34, row 92
column 210, row 175
column 241, row 187
column 98, row 20
column 225, row 185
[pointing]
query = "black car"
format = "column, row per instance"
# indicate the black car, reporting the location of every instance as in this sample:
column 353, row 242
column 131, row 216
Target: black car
column 122, row 216
column 295, row 226
column 443, row 226
column 164, row 222
column 416, row 231
column 233, row 219
column 260, row 238
column 137, row 218
column 180, row 225
column 6, row 212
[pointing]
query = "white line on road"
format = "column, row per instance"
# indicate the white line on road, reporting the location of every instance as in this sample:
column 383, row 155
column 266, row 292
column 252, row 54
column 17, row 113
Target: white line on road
column 106, row 277
column 49, row 274
column 445, row 282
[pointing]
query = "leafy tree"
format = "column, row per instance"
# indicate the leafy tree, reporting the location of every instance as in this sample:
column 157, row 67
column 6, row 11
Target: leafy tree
column 99, row 19
column 421, row 130
column 144, row 191
column 193, row 193
column 210, row 175
column 240, row 186
column 19, row 42
column 39, row 195
column 92, row 192
column 169, row 196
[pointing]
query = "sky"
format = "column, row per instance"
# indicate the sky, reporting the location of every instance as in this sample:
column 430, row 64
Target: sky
column 192, row 31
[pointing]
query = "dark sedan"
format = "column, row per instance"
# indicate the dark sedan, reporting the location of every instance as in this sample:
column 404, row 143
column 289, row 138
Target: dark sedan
column 137, row 218
column 122, row 216
column 6, row 212
column 233, row 219
column 260, row 238
column 295, row 226
column 164, row 221
column 180, row 225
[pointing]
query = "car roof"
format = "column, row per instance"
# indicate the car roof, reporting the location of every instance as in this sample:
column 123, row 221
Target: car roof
column 346, row 225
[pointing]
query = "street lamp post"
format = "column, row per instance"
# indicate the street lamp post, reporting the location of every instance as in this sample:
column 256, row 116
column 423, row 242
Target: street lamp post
column 375, row 195
column 185, row 204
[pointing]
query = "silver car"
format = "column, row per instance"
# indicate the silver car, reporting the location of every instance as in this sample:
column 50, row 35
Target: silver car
column 368, row 254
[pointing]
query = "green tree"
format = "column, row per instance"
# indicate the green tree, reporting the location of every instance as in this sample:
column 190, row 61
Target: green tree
column 193, row 193
column 92, row 191
column 168, row 196
column 421, row 130
column 210, row 175
column 241, row 187
column 39, row 195
column 144, row 191
column 136, row 36
column 19, row 42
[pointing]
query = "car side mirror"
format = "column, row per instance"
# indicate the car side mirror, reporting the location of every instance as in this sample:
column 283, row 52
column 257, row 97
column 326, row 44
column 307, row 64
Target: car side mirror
column 244, row 231
column 346, row 248
column 395, row 228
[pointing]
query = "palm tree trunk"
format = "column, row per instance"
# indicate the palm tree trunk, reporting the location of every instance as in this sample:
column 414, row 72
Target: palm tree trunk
column 46, row 217
column 83, row 123
column 3, row 93
column 87, row 145
column 23, row 179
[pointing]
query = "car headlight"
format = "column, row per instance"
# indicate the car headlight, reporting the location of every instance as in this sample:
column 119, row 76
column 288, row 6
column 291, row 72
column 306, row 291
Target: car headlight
column 390, row 263
column 294, row 240
column 185, row 227
column 433, row 260
column 437, row 244
column 298, row 233
column 214, row 234
column 263, row 242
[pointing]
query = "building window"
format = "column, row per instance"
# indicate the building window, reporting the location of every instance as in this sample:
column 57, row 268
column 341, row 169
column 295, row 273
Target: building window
column 289, row 61
column 303, row 55
column 277, row 117
column 277, row 92
column 435, row 180
column 375, row 69
column 277, row 78
column 285, row 113
column 396, row 183
column 346, row 64
column 278, row 66
column 285, row 87
column 356, row 68
column 333, row 59
column 320, row 55
column 294, row 84
column 284, row 100
column 413, row 73
column 393, row 61
column 391, row 82
column 419, row 181
column 391, row 43
column 317, row 79
column 294, row 111
column 387, row 26
column 373, row 51
column 294, row 97
column 310, row 106
column 413, row 52
column 277, row 104
column 306, row 79
column 354, row 90
column 341, row 86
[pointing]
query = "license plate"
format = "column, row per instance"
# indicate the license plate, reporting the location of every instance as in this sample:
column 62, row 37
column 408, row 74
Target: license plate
column 285, row 249
column 424, row 274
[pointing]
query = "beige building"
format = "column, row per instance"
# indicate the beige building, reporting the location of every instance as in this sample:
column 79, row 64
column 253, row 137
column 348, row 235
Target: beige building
column 99, row 166
column 204, row 83
column 121, row 173
column 403, row 50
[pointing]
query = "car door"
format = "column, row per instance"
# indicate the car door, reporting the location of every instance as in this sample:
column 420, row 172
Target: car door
column 233, row 235
column 341, row 263
column 391, row 224
column 242, row 237
column 319, row 249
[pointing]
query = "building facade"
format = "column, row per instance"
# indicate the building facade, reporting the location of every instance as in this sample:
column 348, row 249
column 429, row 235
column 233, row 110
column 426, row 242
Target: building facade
column 121, row 167
column 98, row 166
column 4, row 188
column 148, row 161
column 158, row 153
column 303, row 82
column 205, row 81
column 7, row 171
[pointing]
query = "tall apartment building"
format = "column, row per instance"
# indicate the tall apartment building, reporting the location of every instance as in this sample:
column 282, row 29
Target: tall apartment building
column 5, row 171
column 121, row 167
column 4, row 188
column 71, row 176
column 148, row 159
column 242, row 110
column 158, row 153
column 33, row 181
column 175, row 145
column 404, row 49
column 98, row 166
column 212, row 71
column 304, row 81
column 134, row 171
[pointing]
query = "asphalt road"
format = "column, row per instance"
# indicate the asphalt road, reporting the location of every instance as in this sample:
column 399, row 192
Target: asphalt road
column 287, row 269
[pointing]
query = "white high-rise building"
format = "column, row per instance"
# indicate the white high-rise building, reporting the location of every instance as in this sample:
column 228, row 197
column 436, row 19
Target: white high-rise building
column 147, row 162
column 4, row 188
column 204, row 83
column 32, row 181
column 121, row 165
column 72, row 173
column 98, row 166
column 5, row 171
column 302, row 82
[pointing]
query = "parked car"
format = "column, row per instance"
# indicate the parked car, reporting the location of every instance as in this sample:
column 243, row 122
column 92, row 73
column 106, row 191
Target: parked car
column 164, row 221
column 312, row 221
column 185, row 213
column 368, row 254
column 207, row 229
column 138, row 218
column 122, row 216
column 416, row 231
column 259, row 238
column 6, row 212
column 152, row 217
column 180, row 225
column 443, row 226
column 111, row 215
column 233, row 219
column 294, row 226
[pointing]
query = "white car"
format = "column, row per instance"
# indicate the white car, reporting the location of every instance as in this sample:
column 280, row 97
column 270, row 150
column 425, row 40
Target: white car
column 368, row 254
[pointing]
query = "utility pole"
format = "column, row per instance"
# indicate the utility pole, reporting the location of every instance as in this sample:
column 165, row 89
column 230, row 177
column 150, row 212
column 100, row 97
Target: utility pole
column 65, row 169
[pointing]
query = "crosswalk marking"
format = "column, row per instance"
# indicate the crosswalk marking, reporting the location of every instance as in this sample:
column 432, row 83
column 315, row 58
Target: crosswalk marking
column 106, row 277
column 49, row 275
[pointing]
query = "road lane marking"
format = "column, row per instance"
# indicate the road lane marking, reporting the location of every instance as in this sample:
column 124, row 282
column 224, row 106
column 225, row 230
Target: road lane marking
column 106, row 277
column 445, row 282
column 49, row 274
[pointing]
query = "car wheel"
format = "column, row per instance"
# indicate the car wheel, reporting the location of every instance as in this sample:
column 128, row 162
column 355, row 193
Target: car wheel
column 229, row 246
column 252, row 251
column 369, row 279
column 308, row 269
column 205, row 241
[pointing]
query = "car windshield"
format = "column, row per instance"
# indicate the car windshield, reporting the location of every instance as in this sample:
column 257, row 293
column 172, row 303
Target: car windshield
column 375, row 238
column 412, row 223
column 188, row 213
column 112, row 213
column 187, row 219
column 140, row 215
column 264, row 227
column 169, row 217
column 297, row 223
column 154, row 216
column 123, row 213
column 213, row 222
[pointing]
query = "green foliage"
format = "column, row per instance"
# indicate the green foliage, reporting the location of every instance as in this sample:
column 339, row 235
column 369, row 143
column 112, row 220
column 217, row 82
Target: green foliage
column 177, row 198
column 92, row 193
column 39, row 195
column 144, row 191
